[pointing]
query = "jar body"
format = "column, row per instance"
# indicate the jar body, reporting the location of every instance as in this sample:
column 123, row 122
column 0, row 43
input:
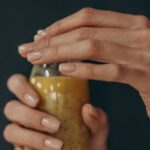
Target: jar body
column 64, row 97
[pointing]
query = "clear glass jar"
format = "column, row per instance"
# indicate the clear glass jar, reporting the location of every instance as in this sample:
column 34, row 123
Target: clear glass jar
column 63, row 97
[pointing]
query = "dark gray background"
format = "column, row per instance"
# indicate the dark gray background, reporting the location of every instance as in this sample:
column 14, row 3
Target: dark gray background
column 20, row 19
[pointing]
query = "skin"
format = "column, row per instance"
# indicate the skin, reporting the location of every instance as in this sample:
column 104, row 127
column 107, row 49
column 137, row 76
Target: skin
column 25, row 117
column 119, row 40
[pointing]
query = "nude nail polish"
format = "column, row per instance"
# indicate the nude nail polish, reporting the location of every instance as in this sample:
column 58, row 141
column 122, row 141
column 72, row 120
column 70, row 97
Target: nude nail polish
column 51, row 124
column 35, row 37
column 31, row 99
column 67, row 67
column 25, row 48
column 54, row 144
column 40, row 31
column 41, row 34
column 34, row 55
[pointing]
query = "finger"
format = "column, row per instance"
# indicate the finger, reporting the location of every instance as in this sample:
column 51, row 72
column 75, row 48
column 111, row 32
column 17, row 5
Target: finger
column 18, row 148
column 96, row 18
column 128, row 38
column 28, row 138
column 106, row 72
column 96, row 121
column 145, row 97
column 26, row 48
column 17, row 112
column 19, row 85
column 103, row 51
column 28, row 148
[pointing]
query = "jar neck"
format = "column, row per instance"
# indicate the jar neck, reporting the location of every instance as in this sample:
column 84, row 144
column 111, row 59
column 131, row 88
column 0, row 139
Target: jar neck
column 46, row 70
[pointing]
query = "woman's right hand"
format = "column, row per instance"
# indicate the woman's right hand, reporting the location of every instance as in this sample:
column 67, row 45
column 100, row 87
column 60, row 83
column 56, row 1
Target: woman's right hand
column 29, row 125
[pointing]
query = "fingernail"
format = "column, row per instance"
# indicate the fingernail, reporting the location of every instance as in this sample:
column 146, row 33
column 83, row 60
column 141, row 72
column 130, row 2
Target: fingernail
column 40, row 34
column 25, row 48
column 35, row 37
column 34, row 55
column 40, row 31
column 92, row 111
column 21, row 48
column 67, row 67
column 31, row 99
column 52, row 124
column 54, row 144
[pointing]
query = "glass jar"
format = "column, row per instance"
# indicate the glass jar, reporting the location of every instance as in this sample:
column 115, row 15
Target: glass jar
column 63, row 97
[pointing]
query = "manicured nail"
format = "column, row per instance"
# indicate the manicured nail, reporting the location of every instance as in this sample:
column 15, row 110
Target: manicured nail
column 51, row 123
column 67, row 67
column 25, row 48
column 21, row 48
column 92, row 111
column 31, row 99
column 34, row 55
column 40, row 31
column 40, row 34
column 54, row 144
column 35, row 37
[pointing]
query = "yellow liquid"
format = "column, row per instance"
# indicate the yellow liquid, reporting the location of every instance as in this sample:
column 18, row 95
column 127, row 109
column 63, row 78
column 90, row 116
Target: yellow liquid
column 64, row 98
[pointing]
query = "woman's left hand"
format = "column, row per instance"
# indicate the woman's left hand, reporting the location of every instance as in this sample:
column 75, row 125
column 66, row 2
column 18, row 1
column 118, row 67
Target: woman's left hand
column 122, row 41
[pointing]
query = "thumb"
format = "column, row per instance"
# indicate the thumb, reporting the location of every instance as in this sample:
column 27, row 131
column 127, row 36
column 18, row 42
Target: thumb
column 96, row 120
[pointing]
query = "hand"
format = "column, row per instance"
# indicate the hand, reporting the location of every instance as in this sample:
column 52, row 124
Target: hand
column 25, row 118
column 119, row 40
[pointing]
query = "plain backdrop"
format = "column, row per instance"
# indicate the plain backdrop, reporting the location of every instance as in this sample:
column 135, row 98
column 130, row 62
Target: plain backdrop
column 19, row 21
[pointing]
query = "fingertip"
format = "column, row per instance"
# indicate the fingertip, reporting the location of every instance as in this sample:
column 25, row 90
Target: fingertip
column 89, row 114
column 91, row 110
column 35, row 37
column 94, row 118
column 19, row 85
column 14, row 79
column 85, row 112
column 41, row 34
column 25, row 48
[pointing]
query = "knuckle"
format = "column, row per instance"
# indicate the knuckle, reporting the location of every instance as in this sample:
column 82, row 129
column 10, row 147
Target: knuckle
column 86, row 14
column 56, row 52
column 51, row 54
column 143, row 21
column 141, row 36
column 86, row 10
column 84, row 33
column 9, row 107
column 117, row 72
column 58, row 26
column 13, row 78
column 90, row 48
column 145, row 58
column 36, row 140
column 33, row 118
column 90, row 71
column 7, row 133
column 42, row 44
